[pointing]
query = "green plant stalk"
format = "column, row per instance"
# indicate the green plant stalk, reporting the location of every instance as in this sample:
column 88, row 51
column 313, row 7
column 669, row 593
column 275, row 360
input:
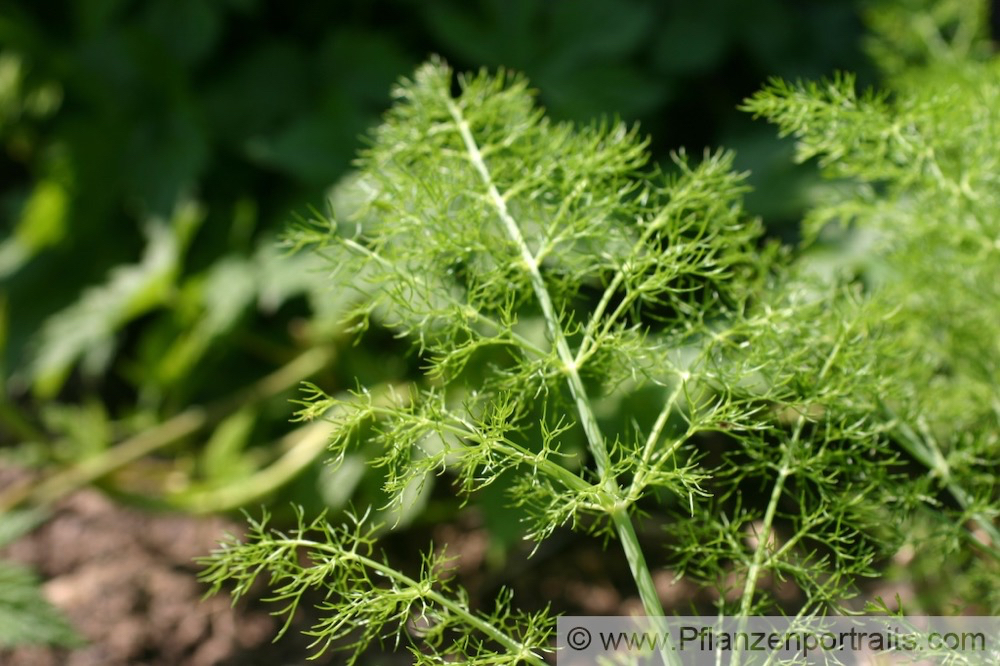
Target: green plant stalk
column 764, row 537
column 654, row 436
column 307, row 444
column 517, row 452
column 388, row 572
column 189, row 421
column 757, row 562
column 926, row 453
column 595, row 438
column 590, row 333
column 479, row 317
column 302, row 447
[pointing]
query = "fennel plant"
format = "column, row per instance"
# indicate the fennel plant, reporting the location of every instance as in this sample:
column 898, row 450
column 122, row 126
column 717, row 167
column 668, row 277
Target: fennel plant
column 816, row 413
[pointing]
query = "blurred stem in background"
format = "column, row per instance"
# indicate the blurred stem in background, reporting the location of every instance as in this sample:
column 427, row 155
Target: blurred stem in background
column 186, row 423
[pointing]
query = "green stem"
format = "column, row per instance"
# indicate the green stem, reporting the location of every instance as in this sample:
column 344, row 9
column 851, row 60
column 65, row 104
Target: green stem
column 467, row 311
column 302, row 447
column 512, row 645
column 181, row 425
column 927, row 453
column 526, row 457
column 587, row 419
column 764, row 535
column 638, row 482
column 513, row 450
column 595, row 438
column 308, row 443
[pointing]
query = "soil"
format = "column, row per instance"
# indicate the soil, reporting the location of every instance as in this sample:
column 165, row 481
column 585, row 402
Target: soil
column 127, row 581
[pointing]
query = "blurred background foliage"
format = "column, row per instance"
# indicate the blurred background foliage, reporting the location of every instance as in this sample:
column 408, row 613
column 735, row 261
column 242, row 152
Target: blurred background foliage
column 153, row 333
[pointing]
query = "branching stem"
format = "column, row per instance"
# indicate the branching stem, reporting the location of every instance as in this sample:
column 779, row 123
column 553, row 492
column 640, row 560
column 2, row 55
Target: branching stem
column 588, row 421
column 514, row 646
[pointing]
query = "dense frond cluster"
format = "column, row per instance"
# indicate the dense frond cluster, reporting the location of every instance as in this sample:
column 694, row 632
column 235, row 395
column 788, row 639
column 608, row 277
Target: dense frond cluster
column 553, row 256
column 921, row 179
column 546, row 274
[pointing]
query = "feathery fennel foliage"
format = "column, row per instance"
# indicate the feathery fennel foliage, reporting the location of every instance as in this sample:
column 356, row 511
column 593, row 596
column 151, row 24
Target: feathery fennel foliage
column 808, row 425
column 917, row 170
